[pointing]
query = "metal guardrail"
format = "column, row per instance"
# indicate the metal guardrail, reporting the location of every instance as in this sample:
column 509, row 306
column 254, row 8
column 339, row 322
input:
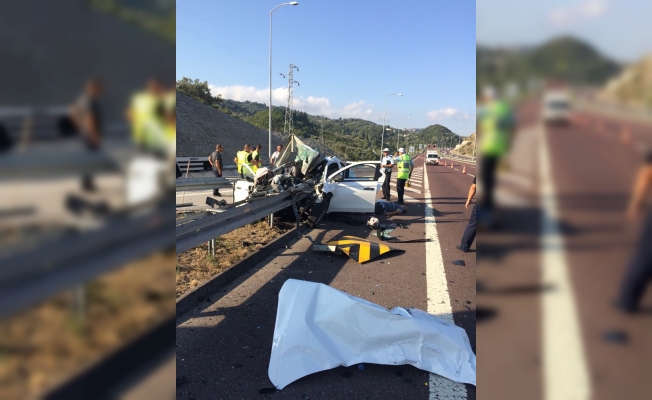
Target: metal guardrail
column 205, row 183
column 36, row 274
column 195, row 232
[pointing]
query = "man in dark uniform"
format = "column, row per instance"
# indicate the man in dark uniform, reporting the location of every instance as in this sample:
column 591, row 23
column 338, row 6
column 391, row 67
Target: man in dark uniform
column 640, row 268
column 215, row 159
column 387, row 163
column 469, row 232
column 85, row 113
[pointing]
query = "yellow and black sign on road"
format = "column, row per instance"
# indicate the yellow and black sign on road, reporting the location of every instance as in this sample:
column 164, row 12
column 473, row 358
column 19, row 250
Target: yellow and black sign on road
column 360, row 250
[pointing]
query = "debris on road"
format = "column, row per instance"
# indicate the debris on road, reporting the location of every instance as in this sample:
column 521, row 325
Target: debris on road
column 318, row 328
column 461, row 263
column 358, row 249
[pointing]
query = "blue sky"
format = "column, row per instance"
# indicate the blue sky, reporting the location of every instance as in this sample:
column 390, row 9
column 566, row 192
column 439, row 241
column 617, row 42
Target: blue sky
column 350, row 55
column 618, row 28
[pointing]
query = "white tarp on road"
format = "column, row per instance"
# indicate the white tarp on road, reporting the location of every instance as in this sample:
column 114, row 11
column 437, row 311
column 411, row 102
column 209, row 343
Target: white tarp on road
column 319, row 328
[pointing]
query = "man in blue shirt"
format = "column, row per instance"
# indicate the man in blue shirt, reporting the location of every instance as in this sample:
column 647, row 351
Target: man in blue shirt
column 387, row 163
column 389, row 209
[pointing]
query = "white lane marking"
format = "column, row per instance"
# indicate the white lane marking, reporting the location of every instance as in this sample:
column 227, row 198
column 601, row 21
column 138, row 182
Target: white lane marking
column 439, row 302
column 505, row 198
column 515, row 179
column 565, row 368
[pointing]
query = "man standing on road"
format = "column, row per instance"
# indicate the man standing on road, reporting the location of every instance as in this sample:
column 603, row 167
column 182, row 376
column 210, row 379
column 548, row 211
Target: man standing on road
column 255, row 158
column 387, row 163
column 469, row 232
column 85, row 113
column 497, row 125
column 243, row 157
column 640, row 268
column 275, row 155
column 404, row 165
column 215, row 159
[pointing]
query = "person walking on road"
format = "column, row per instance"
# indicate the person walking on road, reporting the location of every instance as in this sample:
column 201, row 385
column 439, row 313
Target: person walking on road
column 243, row 157
column 215, row 159
column 404, row 165
column 387, row 163
column 275, row 155
column 469, row 232
column 640, row 268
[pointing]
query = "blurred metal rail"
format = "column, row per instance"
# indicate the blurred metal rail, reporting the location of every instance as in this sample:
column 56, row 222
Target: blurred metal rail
column 36, row 274
column 195, row 232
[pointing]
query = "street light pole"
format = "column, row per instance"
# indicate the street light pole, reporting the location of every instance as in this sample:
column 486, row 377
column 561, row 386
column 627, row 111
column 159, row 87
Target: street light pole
column 293, row 3
column 382, row 136
column 398, row 136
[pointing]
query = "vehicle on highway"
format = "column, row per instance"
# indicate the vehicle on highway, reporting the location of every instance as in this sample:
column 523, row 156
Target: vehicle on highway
column 556, row 107
column 432, row 158
column 331, row 185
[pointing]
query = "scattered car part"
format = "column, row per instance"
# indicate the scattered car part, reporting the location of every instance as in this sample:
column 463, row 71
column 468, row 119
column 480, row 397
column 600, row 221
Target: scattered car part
column 360, row 250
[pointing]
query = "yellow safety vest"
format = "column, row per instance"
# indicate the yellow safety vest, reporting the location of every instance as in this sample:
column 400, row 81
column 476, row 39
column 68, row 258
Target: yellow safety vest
column 403, row 166
column 143, row 107
column 253, row 157
column 242, row 160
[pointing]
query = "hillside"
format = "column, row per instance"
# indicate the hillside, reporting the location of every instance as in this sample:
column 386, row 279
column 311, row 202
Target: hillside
column 200, row 127
column 467, row 147
column 564, row 58
column 354, row 139
column 633, row 86
column 433, row 134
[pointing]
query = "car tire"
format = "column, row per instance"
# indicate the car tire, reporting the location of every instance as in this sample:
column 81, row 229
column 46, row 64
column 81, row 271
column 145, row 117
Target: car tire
column 318, row 211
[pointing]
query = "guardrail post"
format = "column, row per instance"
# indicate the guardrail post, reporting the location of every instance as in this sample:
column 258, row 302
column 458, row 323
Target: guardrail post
column 79, row 303
column 211, row 248
column 271, row 220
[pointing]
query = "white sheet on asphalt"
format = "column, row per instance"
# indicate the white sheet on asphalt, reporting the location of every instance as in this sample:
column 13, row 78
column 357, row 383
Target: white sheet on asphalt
column 319, row 328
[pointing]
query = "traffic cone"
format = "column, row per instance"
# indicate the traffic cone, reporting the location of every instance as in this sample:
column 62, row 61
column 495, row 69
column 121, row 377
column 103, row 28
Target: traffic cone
column 464, row 169
column 452, row 165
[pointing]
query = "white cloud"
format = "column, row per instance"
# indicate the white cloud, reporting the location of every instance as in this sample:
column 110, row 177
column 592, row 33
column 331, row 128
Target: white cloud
column 311, row 104
column 449, row 113
column 564, row 16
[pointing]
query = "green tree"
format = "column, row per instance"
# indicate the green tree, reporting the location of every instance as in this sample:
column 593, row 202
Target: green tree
column 197, row 90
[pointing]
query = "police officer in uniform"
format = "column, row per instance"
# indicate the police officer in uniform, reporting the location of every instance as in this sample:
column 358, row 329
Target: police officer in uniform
column 387, row 163
column 404, row 165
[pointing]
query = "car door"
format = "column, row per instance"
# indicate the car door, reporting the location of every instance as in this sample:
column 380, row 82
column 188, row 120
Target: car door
column 354, row 187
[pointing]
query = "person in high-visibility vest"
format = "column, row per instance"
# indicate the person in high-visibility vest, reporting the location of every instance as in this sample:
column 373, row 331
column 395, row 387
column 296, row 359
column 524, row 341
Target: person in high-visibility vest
column 404, row 165
column 243, row 157
column 143, row 109
column 497, row 124
column 255, row 158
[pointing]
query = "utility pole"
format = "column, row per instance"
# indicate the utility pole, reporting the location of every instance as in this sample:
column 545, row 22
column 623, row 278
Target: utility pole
column 289, row 124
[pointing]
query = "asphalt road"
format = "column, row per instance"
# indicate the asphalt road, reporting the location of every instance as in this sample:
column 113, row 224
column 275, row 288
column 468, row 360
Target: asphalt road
column 542, row 315
column 224, row 345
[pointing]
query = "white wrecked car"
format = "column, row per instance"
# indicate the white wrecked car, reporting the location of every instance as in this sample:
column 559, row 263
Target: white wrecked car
column 336, row 186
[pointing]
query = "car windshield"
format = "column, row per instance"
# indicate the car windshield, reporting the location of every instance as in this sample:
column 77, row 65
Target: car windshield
column 432, row 155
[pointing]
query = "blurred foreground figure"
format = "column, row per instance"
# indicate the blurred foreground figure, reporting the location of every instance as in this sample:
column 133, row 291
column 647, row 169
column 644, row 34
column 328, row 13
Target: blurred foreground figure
column 85, row 114
column 640, row 268
column 144, row 109
column 497, row 125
